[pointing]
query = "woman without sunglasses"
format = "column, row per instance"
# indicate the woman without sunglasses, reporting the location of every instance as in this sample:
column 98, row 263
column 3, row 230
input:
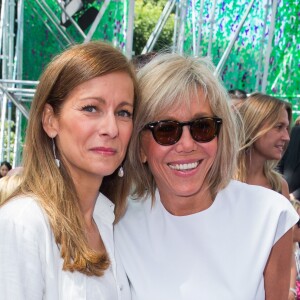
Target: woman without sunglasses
column 266, row 122
column 192, row 232
column 5, row 167
column 56, row 231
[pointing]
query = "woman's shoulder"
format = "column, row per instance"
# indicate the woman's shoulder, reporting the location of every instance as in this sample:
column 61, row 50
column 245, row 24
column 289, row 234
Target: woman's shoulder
column 265, row 206
column 22, row 211
column 254, row 195
column 20, row 204
column 245, row 189
column 285, row 188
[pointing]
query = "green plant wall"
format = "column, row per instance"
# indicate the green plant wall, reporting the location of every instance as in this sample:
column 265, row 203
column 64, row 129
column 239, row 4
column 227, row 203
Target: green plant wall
column 43, row 40
column 241, row 69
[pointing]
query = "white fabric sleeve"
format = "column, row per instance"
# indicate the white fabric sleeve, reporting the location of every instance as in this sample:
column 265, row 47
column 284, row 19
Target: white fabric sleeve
column 287, row 219
column 21, row 275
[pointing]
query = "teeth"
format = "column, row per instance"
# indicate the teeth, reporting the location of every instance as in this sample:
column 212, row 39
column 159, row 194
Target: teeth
column 184, row 167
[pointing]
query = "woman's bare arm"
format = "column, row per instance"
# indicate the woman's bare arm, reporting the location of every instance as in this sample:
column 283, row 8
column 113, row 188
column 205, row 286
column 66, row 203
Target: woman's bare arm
column 278, row 269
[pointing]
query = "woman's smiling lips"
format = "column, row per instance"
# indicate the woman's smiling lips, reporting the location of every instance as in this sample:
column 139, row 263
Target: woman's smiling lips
column 104, row 150
column 280, row 147
column 185, row 167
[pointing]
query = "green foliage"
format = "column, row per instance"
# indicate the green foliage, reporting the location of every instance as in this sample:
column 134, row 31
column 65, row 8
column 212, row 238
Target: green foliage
column 147, row 14
column 8, row 124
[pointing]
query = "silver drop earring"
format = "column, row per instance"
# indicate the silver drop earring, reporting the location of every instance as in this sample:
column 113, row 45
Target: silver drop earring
column 121, row 172
column 57, row 161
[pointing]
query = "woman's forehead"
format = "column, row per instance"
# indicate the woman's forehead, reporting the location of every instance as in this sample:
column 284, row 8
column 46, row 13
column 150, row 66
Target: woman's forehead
column 185, row 109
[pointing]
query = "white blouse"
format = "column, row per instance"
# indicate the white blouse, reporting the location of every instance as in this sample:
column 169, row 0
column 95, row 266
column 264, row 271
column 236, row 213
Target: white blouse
column 218, row 253
column 30, row 261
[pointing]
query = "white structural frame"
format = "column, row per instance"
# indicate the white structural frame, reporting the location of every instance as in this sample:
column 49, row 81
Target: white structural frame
column 159, row 26
column 233, row 39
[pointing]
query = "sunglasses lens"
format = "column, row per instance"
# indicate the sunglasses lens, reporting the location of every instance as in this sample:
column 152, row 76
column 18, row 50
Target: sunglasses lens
column 204, row 130
column 167, row 133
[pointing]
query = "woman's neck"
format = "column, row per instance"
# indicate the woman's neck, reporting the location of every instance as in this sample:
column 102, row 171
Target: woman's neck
column 88, row 192
column 255, row 171
column 186, row 205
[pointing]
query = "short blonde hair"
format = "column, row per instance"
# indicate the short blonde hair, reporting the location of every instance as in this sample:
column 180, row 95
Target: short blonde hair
column 259, row 114
column 168, row 81
column 296, row 204
column 8, row 184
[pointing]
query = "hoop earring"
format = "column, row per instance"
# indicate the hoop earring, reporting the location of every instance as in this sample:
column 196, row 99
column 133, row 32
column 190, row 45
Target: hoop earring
column 57, row 161
column 121, row 172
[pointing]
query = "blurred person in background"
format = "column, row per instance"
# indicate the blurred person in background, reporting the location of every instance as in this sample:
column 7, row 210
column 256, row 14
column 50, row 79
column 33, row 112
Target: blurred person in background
column 142, row 59
column 297, row 121
column 5, row 167
column 237, row 97
column 266, row 122
column 289, row 166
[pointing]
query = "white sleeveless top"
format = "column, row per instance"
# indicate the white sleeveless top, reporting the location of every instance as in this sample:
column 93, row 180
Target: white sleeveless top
column 219, row 253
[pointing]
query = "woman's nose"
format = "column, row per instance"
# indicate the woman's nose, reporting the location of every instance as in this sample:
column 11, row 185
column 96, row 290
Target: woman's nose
column 186, row 142
column 286, row 135
column 109, row 126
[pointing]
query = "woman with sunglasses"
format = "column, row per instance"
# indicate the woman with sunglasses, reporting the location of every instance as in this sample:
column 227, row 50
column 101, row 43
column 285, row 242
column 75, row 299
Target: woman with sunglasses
column 190, row 231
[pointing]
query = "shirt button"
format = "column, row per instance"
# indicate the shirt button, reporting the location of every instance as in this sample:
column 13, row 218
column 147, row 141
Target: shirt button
column 121, row 287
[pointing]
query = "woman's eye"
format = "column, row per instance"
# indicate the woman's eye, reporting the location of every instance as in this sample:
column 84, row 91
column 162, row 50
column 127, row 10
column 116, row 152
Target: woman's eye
column 89, row 108
column 125, row 114
column 280, row 127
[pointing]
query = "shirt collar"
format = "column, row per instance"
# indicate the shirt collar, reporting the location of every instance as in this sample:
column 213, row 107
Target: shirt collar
column 104, row 209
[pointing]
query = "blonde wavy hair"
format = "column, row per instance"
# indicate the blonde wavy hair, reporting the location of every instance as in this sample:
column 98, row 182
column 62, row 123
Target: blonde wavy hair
column 8, row 184
column 53, row 187
column 171, row 80
column 259, row 114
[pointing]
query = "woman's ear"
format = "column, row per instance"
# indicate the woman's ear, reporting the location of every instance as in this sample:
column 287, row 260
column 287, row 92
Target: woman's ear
column 49, row 121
